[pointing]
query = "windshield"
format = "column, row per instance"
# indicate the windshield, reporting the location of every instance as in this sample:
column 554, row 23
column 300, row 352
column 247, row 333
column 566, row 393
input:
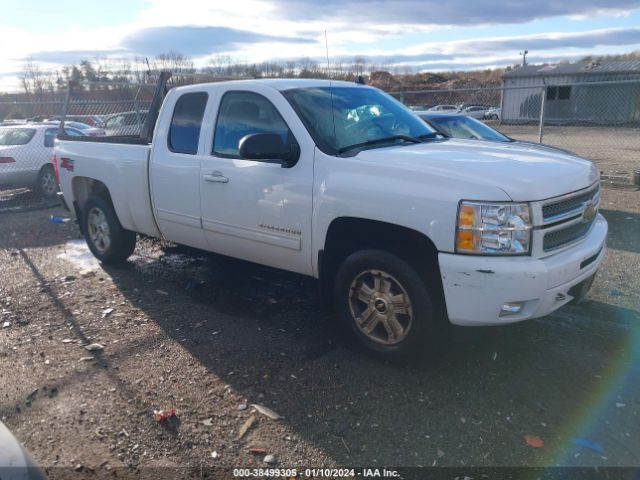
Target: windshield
column 466, row 127
column 16, row 136
column 341, row 117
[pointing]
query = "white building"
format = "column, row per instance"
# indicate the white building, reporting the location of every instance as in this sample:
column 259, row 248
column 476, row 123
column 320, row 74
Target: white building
column 568, row 99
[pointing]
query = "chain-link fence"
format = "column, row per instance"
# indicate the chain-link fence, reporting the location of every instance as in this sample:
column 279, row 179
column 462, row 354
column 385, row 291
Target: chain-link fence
column 597, row 120
column 28, row 127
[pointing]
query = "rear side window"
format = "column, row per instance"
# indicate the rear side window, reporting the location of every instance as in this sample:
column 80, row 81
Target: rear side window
column 16, row 136
column 184, row 132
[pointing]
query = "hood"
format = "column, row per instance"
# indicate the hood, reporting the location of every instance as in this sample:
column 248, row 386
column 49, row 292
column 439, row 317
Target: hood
column 524, row 172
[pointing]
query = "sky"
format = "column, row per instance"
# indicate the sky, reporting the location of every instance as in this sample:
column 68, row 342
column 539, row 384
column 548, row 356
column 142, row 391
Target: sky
column 423, row 35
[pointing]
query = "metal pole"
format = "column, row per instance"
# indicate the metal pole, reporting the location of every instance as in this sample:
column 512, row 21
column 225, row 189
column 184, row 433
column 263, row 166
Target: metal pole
column 65, row 106
column 542, row 102
column 136, row 106
column 504, row 86
column 154, row 108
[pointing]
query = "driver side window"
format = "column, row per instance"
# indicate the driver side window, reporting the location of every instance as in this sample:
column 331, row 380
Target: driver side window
column 245, row 113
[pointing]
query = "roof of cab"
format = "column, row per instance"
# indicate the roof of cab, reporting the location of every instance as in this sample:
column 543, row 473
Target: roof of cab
column 280, row 83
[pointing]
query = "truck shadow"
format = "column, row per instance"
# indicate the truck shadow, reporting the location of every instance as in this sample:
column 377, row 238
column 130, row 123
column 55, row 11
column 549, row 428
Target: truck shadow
column 624, row 230
column 262, row 332
column 33, row 229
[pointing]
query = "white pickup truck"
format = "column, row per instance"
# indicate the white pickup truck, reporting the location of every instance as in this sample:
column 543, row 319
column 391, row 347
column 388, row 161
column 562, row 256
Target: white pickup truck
column 406, row 230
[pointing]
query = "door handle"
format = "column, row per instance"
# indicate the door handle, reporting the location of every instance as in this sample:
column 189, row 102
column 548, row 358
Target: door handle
column 216, row 177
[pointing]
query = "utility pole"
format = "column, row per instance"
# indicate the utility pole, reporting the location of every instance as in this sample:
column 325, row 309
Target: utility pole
column 524, row 57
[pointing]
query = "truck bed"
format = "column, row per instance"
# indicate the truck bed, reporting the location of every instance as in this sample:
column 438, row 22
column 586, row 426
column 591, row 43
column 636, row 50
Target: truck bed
column 121, row 164
column 122, row 139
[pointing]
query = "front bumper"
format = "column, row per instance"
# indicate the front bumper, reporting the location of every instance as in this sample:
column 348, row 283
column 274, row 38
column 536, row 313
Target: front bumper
column 476, row 287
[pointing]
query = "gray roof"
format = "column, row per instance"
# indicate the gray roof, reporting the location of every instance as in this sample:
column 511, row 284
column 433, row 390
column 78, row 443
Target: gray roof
column 629, row 66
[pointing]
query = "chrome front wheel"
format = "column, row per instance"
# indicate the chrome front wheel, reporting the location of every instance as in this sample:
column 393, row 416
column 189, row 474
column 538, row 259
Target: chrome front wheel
column 380, row 307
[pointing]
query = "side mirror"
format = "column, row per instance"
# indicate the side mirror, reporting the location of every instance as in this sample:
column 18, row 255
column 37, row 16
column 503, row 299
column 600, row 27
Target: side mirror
column 268, row 147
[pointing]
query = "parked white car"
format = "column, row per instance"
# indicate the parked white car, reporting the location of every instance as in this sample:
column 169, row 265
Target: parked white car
column 25, row 157
column 443, row 108
column 405, row 229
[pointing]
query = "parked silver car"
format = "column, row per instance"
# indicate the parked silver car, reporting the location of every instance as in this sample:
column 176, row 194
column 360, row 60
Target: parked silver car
column 443, row 108
column 125, row 123
column 25, row 157
column 474, row 111
column 493, row 113
column 468, row 128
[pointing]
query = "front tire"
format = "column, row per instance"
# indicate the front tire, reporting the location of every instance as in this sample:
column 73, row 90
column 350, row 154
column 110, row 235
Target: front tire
column 385, row 303
column 107, row 239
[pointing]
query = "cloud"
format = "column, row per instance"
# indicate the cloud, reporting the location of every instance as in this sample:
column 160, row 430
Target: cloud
column 494, row 51
column 451, row 12
column 71, row 56
column 197, row 41
column 547, row 41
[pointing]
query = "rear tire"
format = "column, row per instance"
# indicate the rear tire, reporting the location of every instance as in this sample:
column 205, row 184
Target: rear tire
column 386, row 304
column 107, row 239
column 46, row 184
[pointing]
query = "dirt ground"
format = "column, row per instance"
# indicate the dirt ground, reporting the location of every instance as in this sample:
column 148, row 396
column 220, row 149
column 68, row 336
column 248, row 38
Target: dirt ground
column 211, row 337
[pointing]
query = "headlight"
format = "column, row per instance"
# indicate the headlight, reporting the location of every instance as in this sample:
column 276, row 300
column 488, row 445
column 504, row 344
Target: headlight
column 493, row 228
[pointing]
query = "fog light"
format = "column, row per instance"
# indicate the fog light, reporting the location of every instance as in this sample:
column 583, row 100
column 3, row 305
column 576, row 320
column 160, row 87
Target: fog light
column 511, row 308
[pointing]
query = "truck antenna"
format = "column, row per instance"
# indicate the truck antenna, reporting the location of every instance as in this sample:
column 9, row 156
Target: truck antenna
column 326, row 46
column 333, row 115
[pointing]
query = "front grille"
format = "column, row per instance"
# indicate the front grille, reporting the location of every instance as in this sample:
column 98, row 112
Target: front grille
column 558, row 209
column 558, row 238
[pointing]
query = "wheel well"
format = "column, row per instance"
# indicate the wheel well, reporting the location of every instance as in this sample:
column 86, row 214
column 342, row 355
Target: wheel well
column 83, row 187
column 347, row 235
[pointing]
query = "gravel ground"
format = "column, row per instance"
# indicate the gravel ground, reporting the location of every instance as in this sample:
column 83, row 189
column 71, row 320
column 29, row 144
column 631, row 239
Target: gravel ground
column 208, row 336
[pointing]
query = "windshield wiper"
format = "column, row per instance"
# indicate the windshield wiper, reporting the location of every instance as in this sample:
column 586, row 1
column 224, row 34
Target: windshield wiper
column 426, row 136
column 406, row 138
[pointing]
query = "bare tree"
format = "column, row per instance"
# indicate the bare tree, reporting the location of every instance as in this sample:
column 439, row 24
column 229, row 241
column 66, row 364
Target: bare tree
column 32, row 78
column 174, row 61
